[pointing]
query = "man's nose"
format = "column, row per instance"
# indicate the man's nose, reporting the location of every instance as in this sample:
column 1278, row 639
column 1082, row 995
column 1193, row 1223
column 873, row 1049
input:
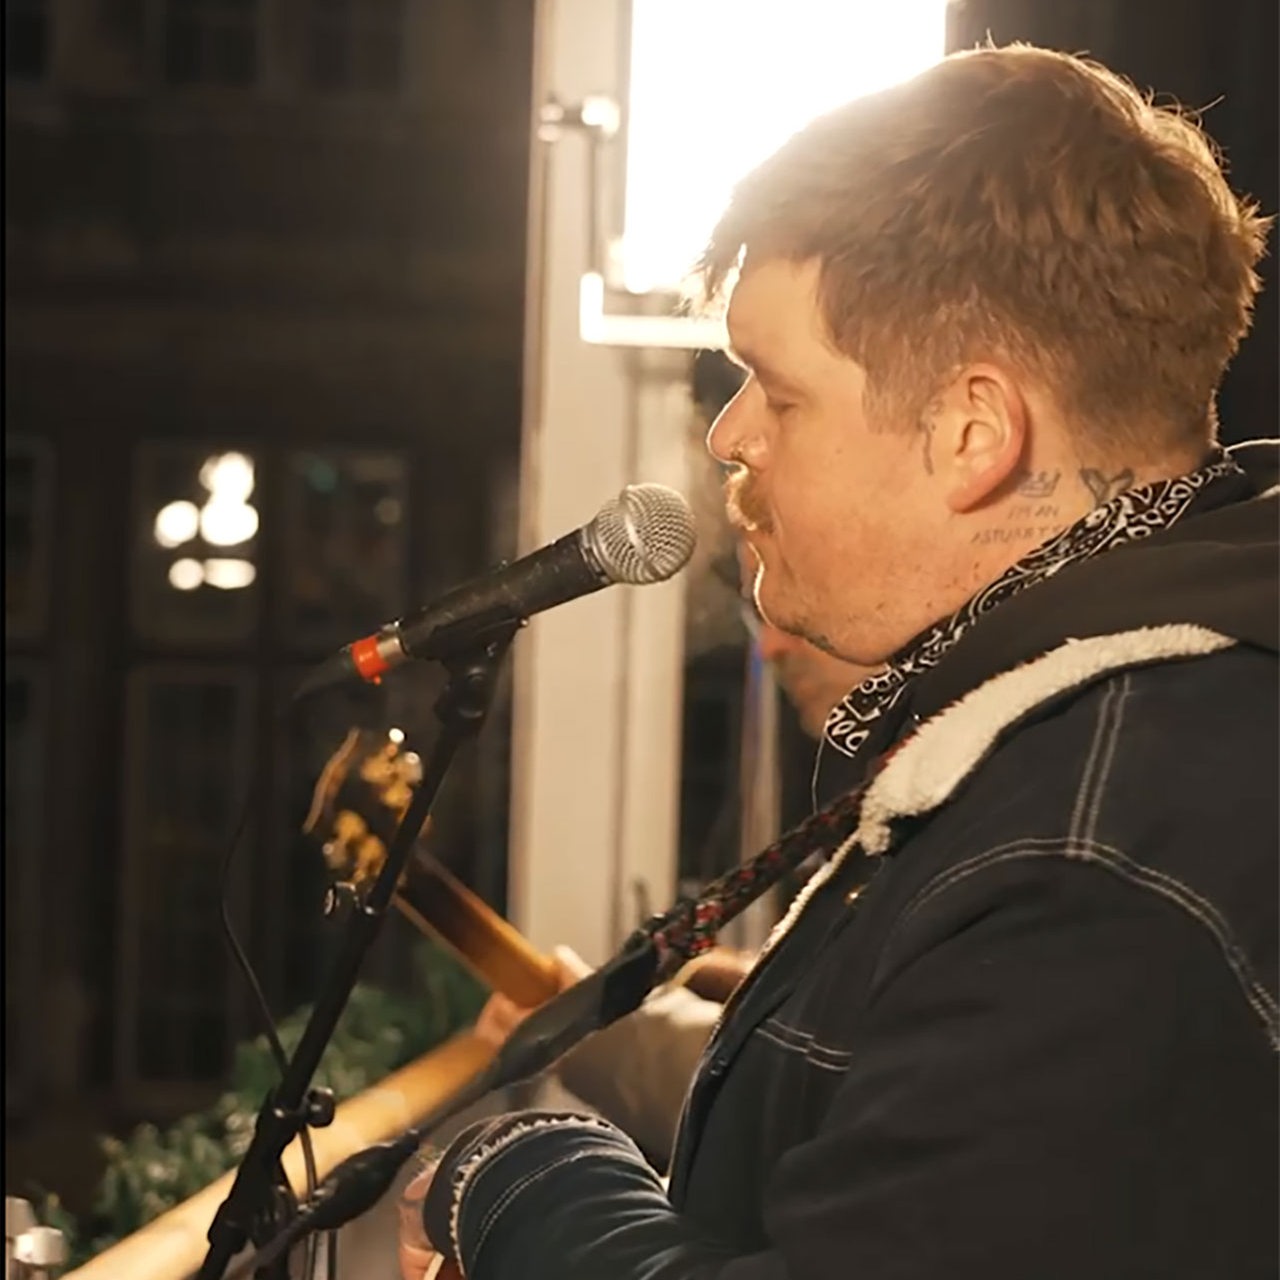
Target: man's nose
column 729, row 438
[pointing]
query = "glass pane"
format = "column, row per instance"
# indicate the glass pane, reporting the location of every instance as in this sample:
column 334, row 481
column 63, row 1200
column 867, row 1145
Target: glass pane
column 26, row 39
column 182, row 50
column 24, row 797
column 27, row 525
column 196, row 552
column 211, row 42
column 233, row 55
column 356, row 45
column 345, row 546
column 188, row 756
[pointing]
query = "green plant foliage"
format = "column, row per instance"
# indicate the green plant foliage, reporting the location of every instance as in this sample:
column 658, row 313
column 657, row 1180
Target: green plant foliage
column 153, row 1170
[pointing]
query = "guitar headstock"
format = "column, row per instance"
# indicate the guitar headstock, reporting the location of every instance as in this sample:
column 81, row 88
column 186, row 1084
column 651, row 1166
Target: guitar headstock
column 361, row 794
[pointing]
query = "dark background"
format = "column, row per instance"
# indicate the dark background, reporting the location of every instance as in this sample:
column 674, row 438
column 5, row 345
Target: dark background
column 295, row 229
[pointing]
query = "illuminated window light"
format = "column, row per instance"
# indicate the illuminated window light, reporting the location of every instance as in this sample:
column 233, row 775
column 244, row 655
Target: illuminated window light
column 176, row 523
column 186, row 575
column 229, row 575
column 699, row 122
column 227, row 522
column 228, row 476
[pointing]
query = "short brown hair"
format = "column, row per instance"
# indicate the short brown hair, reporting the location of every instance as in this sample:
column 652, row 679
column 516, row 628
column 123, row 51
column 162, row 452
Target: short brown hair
column 1019, row 201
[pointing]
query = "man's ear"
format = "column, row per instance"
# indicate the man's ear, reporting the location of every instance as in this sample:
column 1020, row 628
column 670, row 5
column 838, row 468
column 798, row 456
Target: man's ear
column 978, row 424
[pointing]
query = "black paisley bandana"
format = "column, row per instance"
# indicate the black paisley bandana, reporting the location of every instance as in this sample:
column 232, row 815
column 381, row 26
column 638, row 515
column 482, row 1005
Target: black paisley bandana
column 1135, row 514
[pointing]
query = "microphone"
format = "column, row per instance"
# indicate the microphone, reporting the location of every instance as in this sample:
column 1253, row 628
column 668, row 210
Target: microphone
column 646, row 534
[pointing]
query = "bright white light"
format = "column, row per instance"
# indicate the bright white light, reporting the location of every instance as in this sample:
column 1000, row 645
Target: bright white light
column 228, row 475
column 229, row 575
column 698, row 123
column 595, row 325
column 227, row 522
column 600, row 113
column 176, row 523
column 396, row 736
column 186, row 575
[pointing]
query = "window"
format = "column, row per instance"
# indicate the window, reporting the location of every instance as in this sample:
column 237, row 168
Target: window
column 28, row 486
column 25, row 764
column 187, row 750
column 344, row 545
column 819, row 55
column 195, row 561
column 211, row 42
column 355, row 45
column 27, row 39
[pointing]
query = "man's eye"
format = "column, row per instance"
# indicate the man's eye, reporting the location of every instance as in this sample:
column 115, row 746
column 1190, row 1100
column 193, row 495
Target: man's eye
column 778, row 407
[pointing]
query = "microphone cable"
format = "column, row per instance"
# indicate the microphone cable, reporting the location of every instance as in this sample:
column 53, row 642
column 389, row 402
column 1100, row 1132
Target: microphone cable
column 251, row 802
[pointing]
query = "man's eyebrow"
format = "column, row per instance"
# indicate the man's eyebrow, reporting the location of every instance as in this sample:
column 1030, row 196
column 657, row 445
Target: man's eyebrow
column 760, row 368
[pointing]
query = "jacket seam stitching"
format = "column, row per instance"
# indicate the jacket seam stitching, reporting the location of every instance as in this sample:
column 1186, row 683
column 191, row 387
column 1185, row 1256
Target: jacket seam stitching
column 840, row 1059
column 521, row 1184
column 1108, row 756
column 1133, row 873
column 1085, row 790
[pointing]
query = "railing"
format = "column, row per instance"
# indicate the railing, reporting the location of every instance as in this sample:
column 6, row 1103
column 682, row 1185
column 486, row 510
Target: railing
column 173, row 1246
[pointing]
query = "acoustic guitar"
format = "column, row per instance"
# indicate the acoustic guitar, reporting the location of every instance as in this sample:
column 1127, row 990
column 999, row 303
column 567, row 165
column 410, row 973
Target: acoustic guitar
column 360, row 796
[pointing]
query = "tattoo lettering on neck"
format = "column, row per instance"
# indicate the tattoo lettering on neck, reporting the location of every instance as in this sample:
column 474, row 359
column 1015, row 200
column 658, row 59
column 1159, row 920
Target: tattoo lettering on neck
column 1102, row 487
column 1018, row 535
column 1038, row 484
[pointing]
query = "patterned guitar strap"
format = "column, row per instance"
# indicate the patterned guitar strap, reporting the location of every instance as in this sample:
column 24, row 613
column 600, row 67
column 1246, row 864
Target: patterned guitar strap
column 691, row 926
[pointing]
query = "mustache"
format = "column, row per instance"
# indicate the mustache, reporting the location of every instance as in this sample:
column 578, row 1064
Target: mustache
column 745, row 507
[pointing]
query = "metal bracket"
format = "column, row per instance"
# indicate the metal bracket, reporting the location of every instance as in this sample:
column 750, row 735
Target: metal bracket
column 642, row 322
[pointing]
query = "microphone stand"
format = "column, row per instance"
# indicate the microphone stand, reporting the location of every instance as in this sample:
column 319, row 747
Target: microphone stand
column 260, row 1198
column 362, row 1179
column 651, row 955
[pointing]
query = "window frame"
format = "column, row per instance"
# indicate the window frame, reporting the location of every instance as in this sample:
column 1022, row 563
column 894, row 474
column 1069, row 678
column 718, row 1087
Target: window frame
column 144, row 676
column 45, row 11
column 34, row 625
column 159, row 26
column 21, row 1085
column 285, row 635
column 356, row 23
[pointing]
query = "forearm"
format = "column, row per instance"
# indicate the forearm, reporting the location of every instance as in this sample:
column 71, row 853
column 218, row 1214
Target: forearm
column 540, row 1196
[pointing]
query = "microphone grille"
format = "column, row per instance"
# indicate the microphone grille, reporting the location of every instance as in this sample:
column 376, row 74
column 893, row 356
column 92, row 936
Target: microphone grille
column 645, row 534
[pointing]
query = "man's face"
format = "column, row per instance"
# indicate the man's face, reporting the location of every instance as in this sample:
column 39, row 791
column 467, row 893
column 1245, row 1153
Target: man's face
column 838, row 509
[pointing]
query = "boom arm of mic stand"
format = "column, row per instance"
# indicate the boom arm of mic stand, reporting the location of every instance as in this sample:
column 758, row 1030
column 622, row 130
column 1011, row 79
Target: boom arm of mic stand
column 461, row 709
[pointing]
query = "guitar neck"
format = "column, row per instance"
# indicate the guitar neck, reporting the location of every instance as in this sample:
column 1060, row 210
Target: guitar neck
column 437, row 902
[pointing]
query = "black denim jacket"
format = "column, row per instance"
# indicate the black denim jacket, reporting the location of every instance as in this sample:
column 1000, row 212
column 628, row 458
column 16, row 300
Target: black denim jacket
column 1026, row 1026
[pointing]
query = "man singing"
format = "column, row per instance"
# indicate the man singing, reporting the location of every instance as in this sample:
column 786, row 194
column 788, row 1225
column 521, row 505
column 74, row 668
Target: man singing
column 1024, row 1021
